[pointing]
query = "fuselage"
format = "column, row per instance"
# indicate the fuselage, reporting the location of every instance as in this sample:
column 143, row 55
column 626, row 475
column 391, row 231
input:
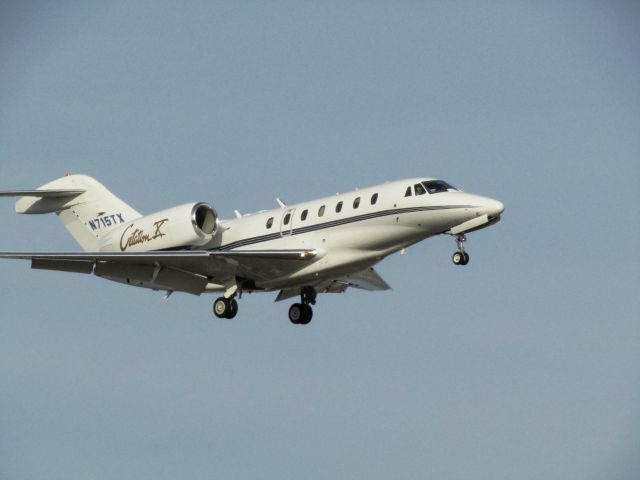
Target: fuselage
column 357, row 229
column 319, row 246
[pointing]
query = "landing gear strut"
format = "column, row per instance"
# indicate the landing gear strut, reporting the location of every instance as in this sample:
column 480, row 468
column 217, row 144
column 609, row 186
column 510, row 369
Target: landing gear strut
column 302, row 313
column 225, row 307
column 460, row 257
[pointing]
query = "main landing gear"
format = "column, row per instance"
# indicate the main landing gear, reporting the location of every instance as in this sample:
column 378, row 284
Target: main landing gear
column 225, row 307
column 299, row 313
column 460, row 257
column 302, row 313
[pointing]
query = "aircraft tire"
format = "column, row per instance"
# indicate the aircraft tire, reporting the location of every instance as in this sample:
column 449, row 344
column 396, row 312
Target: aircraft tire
column 233, row 308
column 295, row 313
column 298, row 314
column 307, row 315
column 222, row 308
column 458, row 258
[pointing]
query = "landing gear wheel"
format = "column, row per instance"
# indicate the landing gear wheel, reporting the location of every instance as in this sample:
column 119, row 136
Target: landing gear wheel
column 296, row 312
column 308, row 315
column 460, row 258
column 300, row 314
column 225, row 307
column 233, row 311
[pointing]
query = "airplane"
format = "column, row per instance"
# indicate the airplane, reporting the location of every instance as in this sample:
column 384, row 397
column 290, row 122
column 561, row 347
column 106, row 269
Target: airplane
column 320, row 246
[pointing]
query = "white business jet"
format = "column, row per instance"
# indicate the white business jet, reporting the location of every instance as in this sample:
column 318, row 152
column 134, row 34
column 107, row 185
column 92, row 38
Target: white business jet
column 320, row 246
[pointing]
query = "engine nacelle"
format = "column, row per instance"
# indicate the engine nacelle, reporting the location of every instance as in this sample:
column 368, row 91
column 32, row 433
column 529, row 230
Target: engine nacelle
column 187, row 226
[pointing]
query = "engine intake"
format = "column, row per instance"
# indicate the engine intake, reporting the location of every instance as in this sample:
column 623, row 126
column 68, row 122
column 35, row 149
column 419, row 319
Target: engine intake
column 188, row 226
column 204, row 218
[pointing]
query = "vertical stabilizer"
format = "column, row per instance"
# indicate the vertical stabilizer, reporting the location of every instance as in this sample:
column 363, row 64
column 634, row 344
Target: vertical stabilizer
column 88, row 210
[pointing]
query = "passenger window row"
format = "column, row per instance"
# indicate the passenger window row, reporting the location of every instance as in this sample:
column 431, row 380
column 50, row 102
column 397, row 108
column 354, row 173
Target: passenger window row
column 321, row 210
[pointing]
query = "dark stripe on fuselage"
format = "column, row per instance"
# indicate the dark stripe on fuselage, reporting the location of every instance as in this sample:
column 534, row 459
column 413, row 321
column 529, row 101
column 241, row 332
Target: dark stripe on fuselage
column 334, row 223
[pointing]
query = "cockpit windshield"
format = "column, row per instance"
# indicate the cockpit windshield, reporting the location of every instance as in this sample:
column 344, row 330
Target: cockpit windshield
column 437, row 186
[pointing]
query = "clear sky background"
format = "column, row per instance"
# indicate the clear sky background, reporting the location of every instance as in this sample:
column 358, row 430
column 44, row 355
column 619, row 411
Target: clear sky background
column 525, row 364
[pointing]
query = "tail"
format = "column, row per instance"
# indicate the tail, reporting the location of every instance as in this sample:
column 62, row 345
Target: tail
column 86, row 208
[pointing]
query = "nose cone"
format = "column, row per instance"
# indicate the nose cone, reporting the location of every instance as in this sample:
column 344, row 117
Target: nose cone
column 493, row 208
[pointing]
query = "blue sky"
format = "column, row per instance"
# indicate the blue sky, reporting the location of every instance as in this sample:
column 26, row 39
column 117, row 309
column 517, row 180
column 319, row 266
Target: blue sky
column 525, row 364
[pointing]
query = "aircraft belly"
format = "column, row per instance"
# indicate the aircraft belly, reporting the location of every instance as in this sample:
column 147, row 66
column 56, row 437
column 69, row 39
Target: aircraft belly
column 342, row 250
column 331, row 266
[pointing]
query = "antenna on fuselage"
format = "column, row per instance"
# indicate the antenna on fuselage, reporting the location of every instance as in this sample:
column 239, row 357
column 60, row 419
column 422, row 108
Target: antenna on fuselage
column 280, row 202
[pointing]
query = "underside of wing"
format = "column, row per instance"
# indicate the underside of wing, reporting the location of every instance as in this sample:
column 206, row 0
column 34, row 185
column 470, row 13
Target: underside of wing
column 367, row 279
column 192, row 271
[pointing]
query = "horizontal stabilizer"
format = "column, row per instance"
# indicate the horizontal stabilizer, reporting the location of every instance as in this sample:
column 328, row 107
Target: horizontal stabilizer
column 45, row 200
column 56, row 193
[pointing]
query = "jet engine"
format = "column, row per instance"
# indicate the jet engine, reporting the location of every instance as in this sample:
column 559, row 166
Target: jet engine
column 187, row 226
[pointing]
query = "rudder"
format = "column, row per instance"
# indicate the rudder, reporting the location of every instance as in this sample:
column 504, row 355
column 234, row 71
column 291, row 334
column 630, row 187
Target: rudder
column 87, row 209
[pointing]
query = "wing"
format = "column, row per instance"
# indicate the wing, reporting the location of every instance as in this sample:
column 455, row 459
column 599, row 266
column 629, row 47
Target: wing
column 192, row 271
column 367, row 279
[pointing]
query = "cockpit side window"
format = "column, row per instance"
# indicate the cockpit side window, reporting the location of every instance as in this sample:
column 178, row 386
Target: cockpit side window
column 419, row 189
column 437, row 186
column 408, row 192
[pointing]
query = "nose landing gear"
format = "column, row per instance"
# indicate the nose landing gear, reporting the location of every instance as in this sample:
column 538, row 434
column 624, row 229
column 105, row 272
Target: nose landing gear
column 460, row 257
column 302, row 313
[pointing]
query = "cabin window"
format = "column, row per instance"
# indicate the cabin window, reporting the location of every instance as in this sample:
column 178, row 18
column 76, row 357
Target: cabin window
column 419, row 189
column 338, row 207
column 287, row 217
column 270, row 222
column 304, row 214
column 408, row 192
column 321, row 211
column 374, row 199
column 356, row 202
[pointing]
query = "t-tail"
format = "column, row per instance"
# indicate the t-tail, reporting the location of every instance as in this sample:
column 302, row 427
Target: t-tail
column 88, row 210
